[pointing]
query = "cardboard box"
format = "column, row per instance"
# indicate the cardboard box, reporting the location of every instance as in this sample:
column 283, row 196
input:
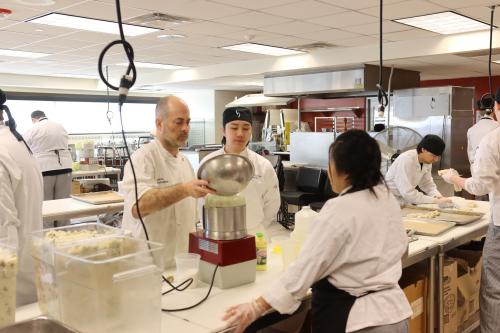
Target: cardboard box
column 414, row 284
column 75, row 187
column 450, row 315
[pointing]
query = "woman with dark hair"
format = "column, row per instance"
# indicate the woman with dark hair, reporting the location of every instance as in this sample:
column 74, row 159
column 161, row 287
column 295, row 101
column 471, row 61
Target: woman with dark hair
column 352, row 258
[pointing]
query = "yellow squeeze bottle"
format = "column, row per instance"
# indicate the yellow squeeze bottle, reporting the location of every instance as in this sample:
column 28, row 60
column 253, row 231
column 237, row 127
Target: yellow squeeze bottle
column 261, row 246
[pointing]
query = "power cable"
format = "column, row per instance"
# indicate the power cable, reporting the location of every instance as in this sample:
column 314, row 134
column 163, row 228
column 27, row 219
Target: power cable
column 381, row 94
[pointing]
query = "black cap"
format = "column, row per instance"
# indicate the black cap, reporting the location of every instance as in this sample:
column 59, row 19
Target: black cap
column 236, row 113
column 432, row 143
column 37, row 114
column 497, row 96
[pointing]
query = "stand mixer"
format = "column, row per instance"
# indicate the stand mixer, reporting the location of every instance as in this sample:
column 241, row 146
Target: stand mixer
column 224, row 240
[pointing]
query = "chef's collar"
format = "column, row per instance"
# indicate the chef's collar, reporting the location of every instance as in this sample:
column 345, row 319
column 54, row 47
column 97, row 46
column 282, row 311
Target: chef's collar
column 487, row 116
column 166, row 154
column 344, row 191
column 243, row 153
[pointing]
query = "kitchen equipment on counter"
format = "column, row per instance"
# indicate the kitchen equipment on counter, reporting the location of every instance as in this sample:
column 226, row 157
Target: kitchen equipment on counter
column 224, row 241
column 37, row 325
column 8, row 273
column 427, row 227
column 450, row 215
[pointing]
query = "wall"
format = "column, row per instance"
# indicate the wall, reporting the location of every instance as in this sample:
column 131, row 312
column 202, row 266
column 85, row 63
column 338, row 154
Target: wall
column 480, row 83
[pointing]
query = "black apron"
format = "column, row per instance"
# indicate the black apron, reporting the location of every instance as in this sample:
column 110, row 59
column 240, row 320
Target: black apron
column 330, row 307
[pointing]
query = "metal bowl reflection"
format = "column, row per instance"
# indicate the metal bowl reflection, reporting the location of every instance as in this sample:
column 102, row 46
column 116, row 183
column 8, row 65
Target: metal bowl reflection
column 227, row 174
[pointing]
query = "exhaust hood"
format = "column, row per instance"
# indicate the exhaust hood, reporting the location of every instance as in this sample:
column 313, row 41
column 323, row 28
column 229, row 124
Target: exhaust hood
column 357, row 80
column 260, row 100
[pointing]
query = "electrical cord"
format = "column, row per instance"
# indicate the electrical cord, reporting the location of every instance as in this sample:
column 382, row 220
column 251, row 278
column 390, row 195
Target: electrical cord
column 126, row 82
column 381, row 94
column 487, row 100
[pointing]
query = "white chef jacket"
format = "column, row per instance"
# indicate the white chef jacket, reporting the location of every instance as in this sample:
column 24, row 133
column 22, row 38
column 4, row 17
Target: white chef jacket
column 405, row 174
column 44, row 138
column 156, row 168
column 21, row 198
column 262, row 194
column 357, row 241
column 486, row 176
column 474, row 135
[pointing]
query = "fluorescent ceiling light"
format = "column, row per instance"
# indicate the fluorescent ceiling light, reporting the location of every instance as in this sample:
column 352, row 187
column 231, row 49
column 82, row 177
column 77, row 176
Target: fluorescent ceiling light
column 171, row 36
column 76, row 76
column 22, row 54
column 445, row 23
column 153, row 65
column 90, row 24
column 496, row 61
column 36, row 2
column 262, row 49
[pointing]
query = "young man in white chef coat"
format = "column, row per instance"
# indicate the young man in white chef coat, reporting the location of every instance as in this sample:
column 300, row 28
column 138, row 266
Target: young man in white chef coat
column 21, row 197
column 352, row 257
column 414, row 168
column 262, row 194
column 486, row 180
column 49, row 142
column 166, row 184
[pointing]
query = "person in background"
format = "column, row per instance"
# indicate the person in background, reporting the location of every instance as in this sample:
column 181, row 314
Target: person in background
column 352, row 258
column 21, row 197
column 414, row 168
column 166, row 185
column 486, row 180
column 262, row 194
column 49, row 142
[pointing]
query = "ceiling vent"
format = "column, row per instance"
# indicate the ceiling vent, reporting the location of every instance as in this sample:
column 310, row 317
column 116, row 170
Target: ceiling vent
column 313, row 46
column 159, row 20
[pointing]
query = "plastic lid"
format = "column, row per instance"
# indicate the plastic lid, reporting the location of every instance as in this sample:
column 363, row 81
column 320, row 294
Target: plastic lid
column 259, row 234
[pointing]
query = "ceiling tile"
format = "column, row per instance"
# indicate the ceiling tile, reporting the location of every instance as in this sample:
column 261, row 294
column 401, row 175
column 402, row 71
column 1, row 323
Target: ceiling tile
column 304, row 9
column 91, row 36
column 373, row 28
column 197, row 9
column 255, row 4
column 345, row 19
column 289, row 41
column 295, row 27
column 209, row 41
column 330, row 35
column 405, row 9
column 363, row 40
column 359, row 4
column 17, row 37
column 209, row 28
column 453, row 4
column 253, row 20
column 408, row 35
column 39, row 29
column 20, row 13
column 479, row 13
column 4, row 23
column 102, row 11
column 251, row 35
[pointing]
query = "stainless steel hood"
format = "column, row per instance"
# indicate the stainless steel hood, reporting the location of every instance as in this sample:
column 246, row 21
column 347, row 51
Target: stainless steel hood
column 260, row 100
column 337, row 82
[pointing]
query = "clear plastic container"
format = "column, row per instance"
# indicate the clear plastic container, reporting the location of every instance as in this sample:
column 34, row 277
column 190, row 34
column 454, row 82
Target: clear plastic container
column 110, row 284
column 187, row 266
column 8, row 272
column 303, row 219
column 43, row 244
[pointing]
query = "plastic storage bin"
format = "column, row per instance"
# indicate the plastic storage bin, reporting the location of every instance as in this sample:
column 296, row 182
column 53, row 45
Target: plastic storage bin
column 43, row 244
column 8, row 272
column 110, row 285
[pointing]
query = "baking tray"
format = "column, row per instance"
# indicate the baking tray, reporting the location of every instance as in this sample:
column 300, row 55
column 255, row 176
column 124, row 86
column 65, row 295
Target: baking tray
column 427, row 227
column 37, row 325
column 97, row 198
column 449, row 215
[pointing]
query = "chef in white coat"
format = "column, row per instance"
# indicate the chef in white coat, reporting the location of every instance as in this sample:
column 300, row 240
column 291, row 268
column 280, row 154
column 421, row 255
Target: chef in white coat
column 21, row 197
column 262, row 194
column 166, row 185
column 477, row 132
column 48, row 141
column 486, row 180
column 352, row 257
column 414, row 168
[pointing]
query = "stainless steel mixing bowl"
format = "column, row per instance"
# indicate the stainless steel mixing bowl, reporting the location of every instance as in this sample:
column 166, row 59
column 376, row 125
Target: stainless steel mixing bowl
column 227, row 174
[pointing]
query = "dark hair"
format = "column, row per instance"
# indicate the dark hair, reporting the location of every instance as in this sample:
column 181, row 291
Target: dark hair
column 432, row 143
column 37, row 114
column 356, row 154
column 378, row 127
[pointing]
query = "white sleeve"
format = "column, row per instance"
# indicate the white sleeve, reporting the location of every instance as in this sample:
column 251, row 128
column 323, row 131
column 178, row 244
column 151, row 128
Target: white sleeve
column 427, row 184
column 406, row 189
column 316, row 260
column 9, row 178
column 28, row 137
column 145, row 175
column 486, row 169
column 470, row 148
column 271, row 197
